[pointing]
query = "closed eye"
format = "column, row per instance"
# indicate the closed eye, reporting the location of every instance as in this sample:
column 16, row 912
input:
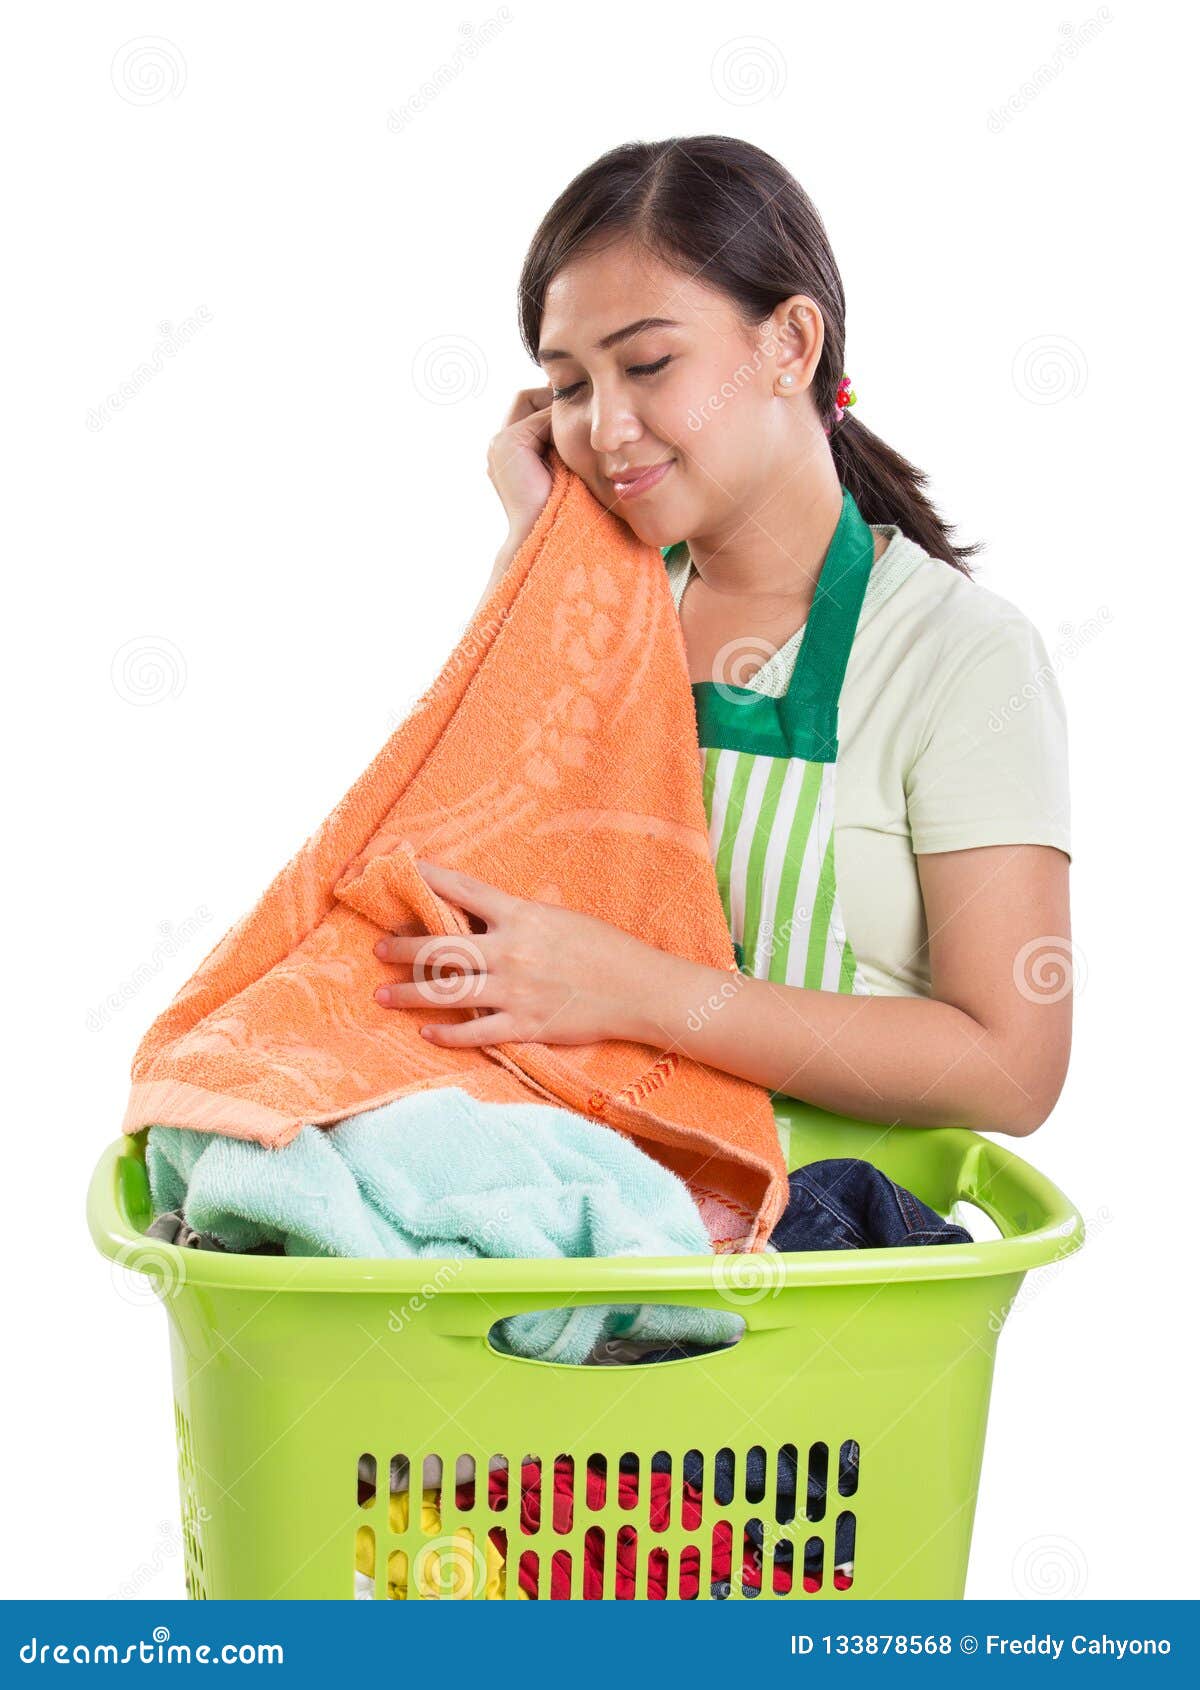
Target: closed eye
column 633, row 370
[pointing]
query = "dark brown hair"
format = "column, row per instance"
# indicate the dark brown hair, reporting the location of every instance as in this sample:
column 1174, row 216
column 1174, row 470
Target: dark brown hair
column 728, row 212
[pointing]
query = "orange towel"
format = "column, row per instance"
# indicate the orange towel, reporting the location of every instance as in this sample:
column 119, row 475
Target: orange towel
column 556, row 757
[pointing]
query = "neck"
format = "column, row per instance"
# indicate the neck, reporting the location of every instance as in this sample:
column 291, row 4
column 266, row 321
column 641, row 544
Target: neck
column 773, row 546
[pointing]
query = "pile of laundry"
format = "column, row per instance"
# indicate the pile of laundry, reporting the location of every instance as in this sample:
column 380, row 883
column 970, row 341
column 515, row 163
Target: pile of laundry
column 441, row 1174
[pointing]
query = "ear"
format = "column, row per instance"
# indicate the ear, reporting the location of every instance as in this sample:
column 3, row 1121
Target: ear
column 793, row 339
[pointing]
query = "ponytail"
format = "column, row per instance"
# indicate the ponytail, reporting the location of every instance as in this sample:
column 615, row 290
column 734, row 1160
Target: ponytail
column 888, row 489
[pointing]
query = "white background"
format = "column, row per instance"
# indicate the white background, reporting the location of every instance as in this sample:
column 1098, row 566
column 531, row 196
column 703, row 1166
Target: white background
column 224, row 596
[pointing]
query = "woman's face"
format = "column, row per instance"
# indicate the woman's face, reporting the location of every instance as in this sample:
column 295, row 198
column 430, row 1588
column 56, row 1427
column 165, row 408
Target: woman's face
column 692, row 388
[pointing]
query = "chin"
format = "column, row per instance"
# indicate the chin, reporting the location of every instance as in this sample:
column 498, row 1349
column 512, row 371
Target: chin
column 650, row 529
column 644, row 517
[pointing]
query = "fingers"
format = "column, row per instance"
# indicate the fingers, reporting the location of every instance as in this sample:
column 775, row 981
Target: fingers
column 464, row 991
column 436, row 953
column 404, row 930
column 528, row 400
column 483, row 1030
column 436, row 950
column 536, row 427
column 475, row 896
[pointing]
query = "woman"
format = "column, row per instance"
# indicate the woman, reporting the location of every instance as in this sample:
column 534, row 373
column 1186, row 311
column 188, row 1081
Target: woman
column 884, row 742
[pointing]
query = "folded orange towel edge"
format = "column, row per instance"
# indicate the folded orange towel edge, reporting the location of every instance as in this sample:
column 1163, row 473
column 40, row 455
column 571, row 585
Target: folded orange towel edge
column 178, row 1103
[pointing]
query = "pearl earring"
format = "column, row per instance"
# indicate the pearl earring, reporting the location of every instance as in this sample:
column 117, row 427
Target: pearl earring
column 787, row 379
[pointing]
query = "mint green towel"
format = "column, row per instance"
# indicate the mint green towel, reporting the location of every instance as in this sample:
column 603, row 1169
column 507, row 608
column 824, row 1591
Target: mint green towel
column 440, row 1174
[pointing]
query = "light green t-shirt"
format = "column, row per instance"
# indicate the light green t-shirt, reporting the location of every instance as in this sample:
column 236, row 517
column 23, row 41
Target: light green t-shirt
column 952, row 734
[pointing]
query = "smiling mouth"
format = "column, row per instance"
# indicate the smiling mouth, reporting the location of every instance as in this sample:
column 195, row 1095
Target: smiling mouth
column 630, row 486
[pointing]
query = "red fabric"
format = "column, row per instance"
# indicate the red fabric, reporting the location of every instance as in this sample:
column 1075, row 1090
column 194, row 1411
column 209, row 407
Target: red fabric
column 690, row 1515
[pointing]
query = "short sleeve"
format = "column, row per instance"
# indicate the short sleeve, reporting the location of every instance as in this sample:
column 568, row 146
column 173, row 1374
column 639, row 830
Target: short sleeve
column 991, row 760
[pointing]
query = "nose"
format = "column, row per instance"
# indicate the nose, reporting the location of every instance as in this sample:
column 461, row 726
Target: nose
column 613, row 426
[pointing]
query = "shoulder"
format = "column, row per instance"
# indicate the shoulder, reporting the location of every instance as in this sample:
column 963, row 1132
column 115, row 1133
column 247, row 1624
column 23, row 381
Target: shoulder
column 946, row 607
column 985, row 733
column 969, row 641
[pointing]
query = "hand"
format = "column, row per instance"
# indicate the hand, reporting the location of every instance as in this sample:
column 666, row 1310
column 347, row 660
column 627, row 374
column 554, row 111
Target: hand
column 548, row 974
column 517, row 462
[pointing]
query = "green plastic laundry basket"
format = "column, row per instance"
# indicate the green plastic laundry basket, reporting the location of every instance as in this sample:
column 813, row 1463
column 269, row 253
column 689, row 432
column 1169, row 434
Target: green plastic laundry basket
column 289, row 1371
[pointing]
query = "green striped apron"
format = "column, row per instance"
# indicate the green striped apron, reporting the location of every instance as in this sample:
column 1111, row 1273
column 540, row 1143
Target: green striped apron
column 769, row 766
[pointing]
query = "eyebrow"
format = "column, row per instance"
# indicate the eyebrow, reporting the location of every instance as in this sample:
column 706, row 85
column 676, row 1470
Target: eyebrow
column 547, row 353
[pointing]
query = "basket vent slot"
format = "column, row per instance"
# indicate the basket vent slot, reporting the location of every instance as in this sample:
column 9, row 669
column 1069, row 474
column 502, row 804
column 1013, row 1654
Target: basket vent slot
column 192, row 1514
column 743, row 1523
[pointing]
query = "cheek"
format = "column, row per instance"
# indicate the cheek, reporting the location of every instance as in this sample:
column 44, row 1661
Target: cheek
column 720, row 431
column 570, row 426
column 571, row 440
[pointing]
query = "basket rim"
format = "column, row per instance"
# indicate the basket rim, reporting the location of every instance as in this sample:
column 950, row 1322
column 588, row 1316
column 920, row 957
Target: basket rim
column 1046, row 1227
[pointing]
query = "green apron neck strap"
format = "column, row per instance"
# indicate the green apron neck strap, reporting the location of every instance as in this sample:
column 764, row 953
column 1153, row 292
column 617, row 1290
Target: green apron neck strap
column 808, row 712
column 804, row 723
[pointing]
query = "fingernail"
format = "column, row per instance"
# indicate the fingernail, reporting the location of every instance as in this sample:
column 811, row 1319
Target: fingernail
column 381, row 996
column 381, row 947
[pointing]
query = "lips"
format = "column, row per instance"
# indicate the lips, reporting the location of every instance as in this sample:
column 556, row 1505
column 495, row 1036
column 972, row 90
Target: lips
column 631, row 483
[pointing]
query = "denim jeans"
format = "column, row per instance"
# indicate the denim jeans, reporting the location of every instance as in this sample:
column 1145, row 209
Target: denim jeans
column 843, row 1203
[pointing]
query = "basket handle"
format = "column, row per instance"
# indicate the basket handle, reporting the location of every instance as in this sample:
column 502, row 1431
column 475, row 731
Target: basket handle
column 757, row 1307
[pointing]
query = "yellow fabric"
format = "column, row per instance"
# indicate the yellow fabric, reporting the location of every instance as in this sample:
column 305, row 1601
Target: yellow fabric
column 449, row 1572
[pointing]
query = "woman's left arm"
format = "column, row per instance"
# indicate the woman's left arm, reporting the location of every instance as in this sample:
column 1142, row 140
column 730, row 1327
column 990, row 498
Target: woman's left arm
column 988, row 1050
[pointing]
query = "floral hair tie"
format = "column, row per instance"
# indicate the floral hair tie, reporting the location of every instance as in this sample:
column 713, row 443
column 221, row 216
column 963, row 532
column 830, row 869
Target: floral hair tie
column 845, row 396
